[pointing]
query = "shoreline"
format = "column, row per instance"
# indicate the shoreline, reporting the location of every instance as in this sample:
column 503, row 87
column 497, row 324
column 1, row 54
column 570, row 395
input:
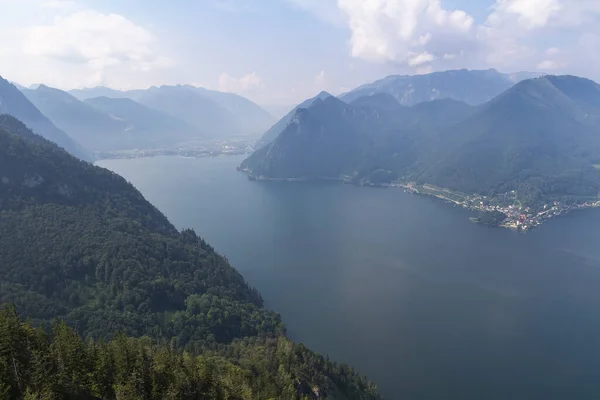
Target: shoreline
column 518, row 217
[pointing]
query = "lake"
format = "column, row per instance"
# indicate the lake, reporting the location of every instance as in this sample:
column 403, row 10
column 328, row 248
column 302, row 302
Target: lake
column 405, row 288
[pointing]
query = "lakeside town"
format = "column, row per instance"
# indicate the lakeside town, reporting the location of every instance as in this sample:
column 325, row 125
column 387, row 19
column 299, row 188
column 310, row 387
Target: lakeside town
column 192, row 149
column 504, row 210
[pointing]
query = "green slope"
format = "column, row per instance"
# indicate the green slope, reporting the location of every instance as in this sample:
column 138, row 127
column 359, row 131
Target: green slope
column 79, row 243
column 540, row 137
column 535, row 138
column 274, row 131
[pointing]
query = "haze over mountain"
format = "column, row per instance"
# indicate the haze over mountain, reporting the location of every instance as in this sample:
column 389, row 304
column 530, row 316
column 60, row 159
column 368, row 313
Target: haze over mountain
column 219, row 114
column 80, row 244
column 276, row 129
column 98, row 91
column 111, row 124
column 13, row 102
column 470, row 86
column 92, row 128
column 540, row 137
column 151, row 127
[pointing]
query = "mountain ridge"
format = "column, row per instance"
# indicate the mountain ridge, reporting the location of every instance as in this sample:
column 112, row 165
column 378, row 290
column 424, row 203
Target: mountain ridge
column 272, row 133
column 534, row 137
column 15, row 103
column 227, row 112
column 471, row 86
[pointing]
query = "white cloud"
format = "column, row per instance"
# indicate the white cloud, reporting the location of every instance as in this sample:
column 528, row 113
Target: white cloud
column 548, row 65
column 396, row 30
column 99, row 40
column 64, row 45
column 427, row 35
column 531, row 14
column 422, row 58
column 244, row 84
column 320, row 79
column 427, row 69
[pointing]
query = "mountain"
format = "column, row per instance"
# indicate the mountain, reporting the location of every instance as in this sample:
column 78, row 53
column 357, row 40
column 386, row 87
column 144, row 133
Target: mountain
column 276, row 129
column 540, row 137
column 18, row 86
column 252, row 118
column 472, row 87
column 151, row 127
column 13, row 102
column 187, row 104
column 334, row 140
column 92, row 128
column 111, row 124
column 98, row 91
column 210, row 111
column 81, row 245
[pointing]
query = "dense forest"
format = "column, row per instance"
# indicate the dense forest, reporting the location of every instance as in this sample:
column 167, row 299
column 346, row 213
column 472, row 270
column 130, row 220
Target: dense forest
column 61, row 365
column 80, row 244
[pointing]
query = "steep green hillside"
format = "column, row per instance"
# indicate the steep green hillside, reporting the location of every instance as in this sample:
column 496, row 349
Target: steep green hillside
column 79, row 243
column 541, row 137
column 34, row 364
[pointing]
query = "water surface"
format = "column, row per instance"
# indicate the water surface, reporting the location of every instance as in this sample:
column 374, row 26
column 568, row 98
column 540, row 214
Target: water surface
column 405, row 288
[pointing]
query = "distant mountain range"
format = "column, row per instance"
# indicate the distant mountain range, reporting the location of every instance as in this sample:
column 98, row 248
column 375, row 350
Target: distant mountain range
column 217, row 114
column 102, row 119
column 13, row 102
column 471, row 86
column 110, row 124
column 540, row 137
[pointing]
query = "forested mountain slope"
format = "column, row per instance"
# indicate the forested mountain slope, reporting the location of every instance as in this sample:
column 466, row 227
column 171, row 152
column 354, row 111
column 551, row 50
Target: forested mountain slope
column 541, row 137
column 79, row 243
column 274, row 131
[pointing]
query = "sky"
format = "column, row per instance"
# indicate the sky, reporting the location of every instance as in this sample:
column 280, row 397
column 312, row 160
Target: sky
column 280, row 52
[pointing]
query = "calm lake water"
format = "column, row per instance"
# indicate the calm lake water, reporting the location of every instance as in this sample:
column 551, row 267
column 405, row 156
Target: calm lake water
column 403, row 287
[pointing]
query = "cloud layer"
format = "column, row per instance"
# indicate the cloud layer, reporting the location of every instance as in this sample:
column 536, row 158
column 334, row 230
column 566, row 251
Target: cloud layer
column 424, row 34
column 93, row 38
column 77, row 46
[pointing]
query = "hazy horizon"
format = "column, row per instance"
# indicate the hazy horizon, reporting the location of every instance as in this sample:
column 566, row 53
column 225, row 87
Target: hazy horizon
column 280, row 52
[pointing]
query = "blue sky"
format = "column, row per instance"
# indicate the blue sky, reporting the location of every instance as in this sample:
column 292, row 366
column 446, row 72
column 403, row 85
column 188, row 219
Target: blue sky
column 283, row 51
